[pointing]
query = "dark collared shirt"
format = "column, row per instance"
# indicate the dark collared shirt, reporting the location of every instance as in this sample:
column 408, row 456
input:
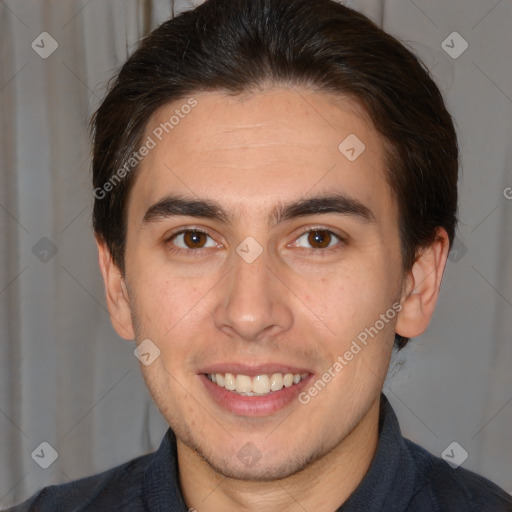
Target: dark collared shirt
column 403, row 477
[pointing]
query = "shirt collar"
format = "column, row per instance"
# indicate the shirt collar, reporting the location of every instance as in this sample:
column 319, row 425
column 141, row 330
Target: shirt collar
column 161, row 488
column 387, row 485
column 390, row 480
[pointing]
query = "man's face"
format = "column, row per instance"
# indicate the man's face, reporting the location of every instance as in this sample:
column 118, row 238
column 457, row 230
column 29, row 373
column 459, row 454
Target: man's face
column 252, row 293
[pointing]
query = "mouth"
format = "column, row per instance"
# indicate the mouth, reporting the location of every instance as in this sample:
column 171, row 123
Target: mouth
column 258, row 385
column 254, row 391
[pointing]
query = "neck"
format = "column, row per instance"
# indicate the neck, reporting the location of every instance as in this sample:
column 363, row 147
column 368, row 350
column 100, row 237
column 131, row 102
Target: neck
column 323, row 486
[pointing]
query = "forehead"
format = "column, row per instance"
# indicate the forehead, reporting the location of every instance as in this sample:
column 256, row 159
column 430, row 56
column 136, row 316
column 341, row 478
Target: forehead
column 254, row 149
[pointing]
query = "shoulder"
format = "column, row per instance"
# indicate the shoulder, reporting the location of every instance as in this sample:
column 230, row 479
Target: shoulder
column 119, row 488
column 446, row 488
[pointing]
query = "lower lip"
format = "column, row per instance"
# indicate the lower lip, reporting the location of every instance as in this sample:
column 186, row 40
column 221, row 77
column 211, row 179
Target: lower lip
column 254, row 405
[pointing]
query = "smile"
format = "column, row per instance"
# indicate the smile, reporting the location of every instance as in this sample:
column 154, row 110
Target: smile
column 258, row 385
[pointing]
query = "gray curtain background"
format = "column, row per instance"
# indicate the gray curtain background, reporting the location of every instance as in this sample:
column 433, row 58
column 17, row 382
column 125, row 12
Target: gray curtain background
column 67, row 380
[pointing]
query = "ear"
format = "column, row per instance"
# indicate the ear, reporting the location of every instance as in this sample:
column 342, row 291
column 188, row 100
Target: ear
column 116, row 293
column 422, row 286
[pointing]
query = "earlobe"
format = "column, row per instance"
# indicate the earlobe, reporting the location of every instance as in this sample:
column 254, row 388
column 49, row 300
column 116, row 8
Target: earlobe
column 116, row 293
column 422, row 286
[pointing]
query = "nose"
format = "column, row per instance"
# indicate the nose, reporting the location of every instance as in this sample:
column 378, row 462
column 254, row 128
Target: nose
column 254, row 304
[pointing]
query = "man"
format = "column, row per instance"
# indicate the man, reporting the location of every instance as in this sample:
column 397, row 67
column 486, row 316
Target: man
column 275, row 189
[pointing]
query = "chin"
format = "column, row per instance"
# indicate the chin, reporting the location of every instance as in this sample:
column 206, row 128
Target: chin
column 248, row 464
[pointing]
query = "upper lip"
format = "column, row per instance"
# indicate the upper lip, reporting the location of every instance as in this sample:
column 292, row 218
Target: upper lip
column 253, row 370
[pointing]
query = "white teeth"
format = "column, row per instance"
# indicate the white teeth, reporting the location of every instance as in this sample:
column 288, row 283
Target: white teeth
column 276, row 382
column 258, row 385
column 243, row 384
column 288, row 380
column 229, row 381
column 261, row 384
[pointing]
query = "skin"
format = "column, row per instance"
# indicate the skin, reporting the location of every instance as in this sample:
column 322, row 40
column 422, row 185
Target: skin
column 298, row 303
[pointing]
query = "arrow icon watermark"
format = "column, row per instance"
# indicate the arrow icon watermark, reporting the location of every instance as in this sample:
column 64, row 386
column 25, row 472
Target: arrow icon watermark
column 45, row 455
column 249, row 455
column 454, row 454
column 249, row 249
column 146, row 352
column 44, row 249
column 454, row 45
column 351, row 147
column 44, row 45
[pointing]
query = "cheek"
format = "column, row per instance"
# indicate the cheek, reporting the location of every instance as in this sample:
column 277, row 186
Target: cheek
column 165, row 305
column 353, row 299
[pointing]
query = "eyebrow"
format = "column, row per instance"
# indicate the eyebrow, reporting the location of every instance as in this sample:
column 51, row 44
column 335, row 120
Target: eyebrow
column 175, row 205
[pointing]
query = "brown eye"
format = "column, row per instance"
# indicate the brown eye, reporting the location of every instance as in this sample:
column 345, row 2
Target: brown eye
column 190, row 239
column 319, row 239
column 194, row 239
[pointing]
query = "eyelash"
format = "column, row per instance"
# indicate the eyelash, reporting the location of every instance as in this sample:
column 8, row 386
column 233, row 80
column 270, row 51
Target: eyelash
column 197, row 252
column 179, row 250
column 327, row 250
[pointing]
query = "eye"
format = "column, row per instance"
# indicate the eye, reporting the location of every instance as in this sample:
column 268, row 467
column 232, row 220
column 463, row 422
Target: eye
column 189, row 239
column 318, row 238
